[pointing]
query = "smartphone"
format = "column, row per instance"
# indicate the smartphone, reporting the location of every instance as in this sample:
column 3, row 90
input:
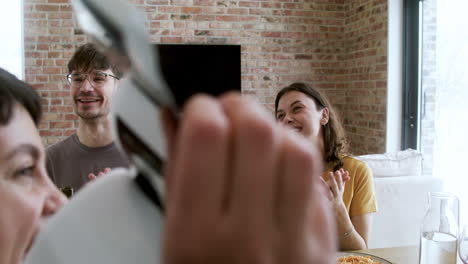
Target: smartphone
column 143, row 92
column 159, row 76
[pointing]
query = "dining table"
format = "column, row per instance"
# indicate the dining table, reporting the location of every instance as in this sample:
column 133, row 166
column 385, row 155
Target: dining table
column 397, row 255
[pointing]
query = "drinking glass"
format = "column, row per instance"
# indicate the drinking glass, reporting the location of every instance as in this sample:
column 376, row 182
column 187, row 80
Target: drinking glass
column 439, row 230
column 463, row 244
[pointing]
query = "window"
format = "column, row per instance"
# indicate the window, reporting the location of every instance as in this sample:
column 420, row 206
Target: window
column 439, row 95
column 411, row 75
column 11, row 30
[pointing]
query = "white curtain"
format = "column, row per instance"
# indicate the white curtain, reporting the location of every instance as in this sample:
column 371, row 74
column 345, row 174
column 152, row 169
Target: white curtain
column 451, row 117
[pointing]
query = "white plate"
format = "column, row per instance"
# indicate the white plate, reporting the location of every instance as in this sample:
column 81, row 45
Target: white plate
column 379, row 259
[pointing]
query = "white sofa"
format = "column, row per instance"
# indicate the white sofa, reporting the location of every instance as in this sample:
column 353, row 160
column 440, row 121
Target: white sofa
column 402, row 193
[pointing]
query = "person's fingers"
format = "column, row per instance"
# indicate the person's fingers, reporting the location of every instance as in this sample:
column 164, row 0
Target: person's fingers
column 197, row 168
column 202, row 174
column 326, row 189
column 342, row 171
column 107, row 170
column 339, row 179
column 302, row 210
column 320, row 237
column 346, row 176
column 255, row 148
column 333, row 184
column 91, row 176
column 199, row 159
column 300, row 171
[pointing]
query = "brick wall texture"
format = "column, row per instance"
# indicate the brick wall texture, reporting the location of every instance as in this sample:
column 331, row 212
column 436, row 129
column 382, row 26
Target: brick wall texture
column 340, row 46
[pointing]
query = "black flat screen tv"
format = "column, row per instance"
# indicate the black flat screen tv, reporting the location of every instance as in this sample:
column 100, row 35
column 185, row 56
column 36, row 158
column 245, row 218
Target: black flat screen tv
column 196, row 68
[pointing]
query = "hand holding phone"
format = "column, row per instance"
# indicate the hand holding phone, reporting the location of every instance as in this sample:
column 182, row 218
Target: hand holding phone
column 241, row 189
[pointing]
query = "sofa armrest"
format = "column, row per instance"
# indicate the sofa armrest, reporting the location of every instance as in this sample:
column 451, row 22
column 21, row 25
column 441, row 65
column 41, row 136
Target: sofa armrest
column 402, row 203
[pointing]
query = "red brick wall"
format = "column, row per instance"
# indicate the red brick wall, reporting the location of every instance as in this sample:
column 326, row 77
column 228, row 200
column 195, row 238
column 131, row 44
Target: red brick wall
column 362, row 89
column 50, row 38
column 320, row 41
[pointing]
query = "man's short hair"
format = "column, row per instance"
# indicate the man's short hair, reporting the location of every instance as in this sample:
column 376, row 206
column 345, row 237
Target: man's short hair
column 88, row 57
column 14, row 91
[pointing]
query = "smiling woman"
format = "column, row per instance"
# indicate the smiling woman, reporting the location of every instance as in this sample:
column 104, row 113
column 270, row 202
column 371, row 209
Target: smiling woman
column 27, row 196
column 303, row 109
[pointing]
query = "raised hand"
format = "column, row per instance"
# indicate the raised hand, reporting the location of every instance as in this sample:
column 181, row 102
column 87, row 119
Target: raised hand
column 242, row 190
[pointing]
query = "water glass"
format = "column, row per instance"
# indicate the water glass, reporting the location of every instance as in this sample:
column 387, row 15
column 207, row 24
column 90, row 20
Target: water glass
column 439, row 230
column 463, row 245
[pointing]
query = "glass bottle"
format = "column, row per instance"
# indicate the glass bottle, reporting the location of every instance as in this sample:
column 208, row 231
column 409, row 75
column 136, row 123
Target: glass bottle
column 439, row 230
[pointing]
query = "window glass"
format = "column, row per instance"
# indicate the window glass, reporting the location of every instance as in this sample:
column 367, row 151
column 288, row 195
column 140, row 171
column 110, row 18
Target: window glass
column 444, row 82
column 11, row 30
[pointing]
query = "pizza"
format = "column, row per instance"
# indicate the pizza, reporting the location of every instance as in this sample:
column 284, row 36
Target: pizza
column 357, row 260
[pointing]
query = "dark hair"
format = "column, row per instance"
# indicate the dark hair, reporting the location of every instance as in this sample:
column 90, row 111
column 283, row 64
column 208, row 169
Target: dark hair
column 88, row 57
column 14, row 91
column 335, row 145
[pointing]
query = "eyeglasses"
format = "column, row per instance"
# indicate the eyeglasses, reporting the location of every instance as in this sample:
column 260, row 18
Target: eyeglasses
column 96, row 79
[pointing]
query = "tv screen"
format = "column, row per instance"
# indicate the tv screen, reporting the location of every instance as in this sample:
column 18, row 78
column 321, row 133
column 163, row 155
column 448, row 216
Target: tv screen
column 194, row 68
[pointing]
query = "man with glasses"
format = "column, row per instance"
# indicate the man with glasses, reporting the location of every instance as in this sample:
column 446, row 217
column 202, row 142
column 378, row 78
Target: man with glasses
column 91, row 151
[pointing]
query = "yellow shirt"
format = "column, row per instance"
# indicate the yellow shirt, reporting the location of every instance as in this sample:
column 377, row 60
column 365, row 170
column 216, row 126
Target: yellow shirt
column 359, row 193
